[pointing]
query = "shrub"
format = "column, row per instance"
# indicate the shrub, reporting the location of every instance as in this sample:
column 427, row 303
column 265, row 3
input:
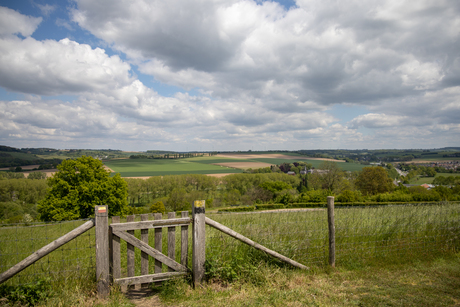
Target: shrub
column 269, row 206
column 238, row 209
column 158, row 207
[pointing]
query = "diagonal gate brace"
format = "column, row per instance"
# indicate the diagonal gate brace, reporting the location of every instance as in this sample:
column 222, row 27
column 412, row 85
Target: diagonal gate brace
column 150, row 251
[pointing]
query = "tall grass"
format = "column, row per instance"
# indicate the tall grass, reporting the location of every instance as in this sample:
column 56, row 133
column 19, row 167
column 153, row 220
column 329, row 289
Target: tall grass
column 364, row 236
column 368, row 236
column 18, row 241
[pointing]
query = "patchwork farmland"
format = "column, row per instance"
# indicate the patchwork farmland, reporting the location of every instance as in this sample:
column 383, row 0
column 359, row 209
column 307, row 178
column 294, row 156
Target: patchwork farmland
column 214, row 165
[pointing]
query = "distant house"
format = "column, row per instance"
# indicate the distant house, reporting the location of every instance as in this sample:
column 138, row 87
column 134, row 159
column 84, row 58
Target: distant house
column 291, row 173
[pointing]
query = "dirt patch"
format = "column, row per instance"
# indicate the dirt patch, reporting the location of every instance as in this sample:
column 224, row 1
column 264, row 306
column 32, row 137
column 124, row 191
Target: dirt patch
column 108, row 169
column 244, row 165
column 48, row 172
column 144, row 297
column 273, row 156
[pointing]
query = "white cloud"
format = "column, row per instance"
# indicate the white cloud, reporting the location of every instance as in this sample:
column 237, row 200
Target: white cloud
column 12, row 22
column 263, row 74
column 372, row 120
column 46, row 9
column 55, row 68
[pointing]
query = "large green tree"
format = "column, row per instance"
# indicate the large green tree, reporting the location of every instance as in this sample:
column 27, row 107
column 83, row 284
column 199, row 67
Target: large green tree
column 373, row 180
column 78, row 187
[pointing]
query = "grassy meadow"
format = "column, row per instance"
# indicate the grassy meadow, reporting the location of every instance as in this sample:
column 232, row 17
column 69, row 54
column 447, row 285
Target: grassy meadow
column 407, row 248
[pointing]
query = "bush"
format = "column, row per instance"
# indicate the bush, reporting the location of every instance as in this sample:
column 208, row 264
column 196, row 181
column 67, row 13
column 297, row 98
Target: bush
column 238, row 209
column 269, row 206
column 307, row 205
column 348, row 196
column 158, row 207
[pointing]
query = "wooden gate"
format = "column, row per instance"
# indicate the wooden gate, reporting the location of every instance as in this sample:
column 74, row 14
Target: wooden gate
column 126, row 230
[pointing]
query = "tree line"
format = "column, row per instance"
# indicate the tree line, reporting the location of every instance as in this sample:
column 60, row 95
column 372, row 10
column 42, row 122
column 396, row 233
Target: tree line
column 83, row 183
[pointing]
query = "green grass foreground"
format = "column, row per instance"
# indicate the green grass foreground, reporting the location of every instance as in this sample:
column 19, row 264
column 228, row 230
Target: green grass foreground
column 433, row 282
column 385, row 256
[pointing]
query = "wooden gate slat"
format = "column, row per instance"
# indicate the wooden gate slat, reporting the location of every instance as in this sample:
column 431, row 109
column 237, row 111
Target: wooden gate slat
column 130, row 250
column 148, row 278
column 172, row 239
column 151, row 224
column 150, row 250
column 158, row 242
column 184, row 241
column 116, row 259
column 144, row 256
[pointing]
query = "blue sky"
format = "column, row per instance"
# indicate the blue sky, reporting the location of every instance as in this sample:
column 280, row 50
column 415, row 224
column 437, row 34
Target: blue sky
column 229, row 74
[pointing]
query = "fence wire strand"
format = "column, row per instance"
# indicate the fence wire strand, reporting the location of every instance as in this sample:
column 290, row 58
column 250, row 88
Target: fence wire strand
column 18, row 241
column 362, row 234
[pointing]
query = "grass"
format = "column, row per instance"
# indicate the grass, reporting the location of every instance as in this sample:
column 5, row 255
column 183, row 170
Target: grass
column 429, row 283
column 386, row 256
column 161, row 167
column 363, row 235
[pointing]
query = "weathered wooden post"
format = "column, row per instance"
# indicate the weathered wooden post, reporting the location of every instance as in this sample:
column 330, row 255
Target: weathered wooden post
column 102, row 250
column 331, row 223
column 199, row 247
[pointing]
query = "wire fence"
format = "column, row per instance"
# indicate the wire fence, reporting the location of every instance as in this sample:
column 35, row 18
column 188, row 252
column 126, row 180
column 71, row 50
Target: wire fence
column 18, row 241
column 362, row 234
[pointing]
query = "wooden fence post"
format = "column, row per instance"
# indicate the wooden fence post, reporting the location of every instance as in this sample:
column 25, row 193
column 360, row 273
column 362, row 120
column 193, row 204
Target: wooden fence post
column 102, row 250
column 331, row 223
column 199, row 247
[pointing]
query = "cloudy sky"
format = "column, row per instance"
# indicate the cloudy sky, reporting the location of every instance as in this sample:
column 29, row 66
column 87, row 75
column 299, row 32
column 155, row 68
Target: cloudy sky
column 191, row 75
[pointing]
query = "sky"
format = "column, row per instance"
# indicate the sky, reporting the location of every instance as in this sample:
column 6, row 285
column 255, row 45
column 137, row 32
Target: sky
column 229, row 75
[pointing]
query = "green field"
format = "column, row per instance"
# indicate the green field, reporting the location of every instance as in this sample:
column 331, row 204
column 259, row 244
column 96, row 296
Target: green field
column 162, row 167
column 422, row 180
column 200, row 165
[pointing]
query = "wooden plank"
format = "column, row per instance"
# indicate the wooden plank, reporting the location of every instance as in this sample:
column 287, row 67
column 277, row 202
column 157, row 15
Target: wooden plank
column 158, row 242
column 102, row 250
column 152, row 224
column 199, row 241
column 144, row 256
column 331, row 224
column 130, row 250
column 42, row 252
column 116, row 255
column 150, row 250
column 184, row 241
column 172, row 239
column 243, row 239
column 148, row 278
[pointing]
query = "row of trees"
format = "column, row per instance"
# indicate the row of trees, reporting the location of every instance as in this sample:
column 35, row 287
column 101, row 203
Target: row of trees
column 83, row 183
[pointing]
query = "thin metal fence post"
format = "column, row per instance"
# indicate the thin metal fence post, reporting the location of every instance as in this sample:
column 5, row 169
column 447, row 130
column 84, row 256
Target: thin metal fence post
column 199, row 247
column 102, row 251
column 331, row 223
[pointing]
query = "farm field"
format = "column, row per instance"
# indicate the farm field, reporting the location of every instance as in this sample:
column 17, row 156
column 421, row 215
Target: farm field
column 422, row 180
column 220, row 164
column 162, row 167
